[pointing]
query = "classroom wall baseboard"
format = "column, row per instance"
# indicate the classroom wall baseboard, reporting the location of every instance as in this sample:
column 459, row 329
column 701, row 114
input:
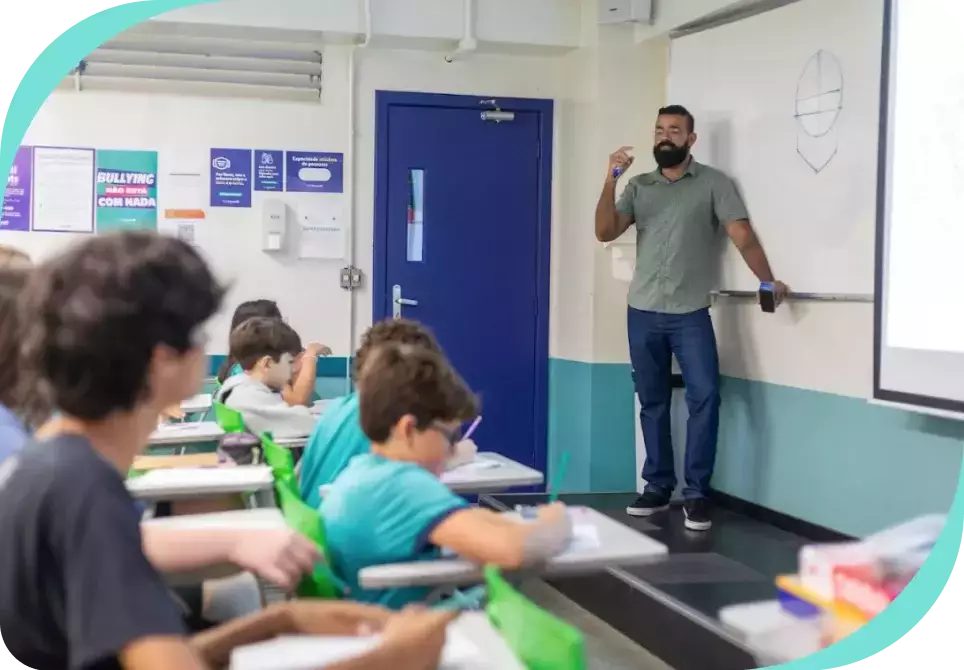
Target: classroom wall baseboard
column 791, row 524
column 832, row 461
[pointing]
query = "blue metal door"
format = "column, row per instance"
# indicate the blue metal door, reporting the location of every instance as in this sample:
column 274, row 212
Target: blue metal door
column 461, row 240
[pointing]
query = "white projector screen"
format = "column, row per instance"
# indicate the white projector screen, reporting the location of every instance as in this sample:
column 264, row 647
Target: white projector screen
column 919, row 310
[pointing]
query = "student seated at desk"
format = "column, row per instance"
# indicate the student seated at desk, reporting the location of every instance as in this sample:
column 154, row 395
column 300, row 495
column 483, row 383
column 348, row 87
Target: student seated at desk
column 117, row 336
column 265, row 349
column 338, row 437
column 389, row 505
column 300, row 390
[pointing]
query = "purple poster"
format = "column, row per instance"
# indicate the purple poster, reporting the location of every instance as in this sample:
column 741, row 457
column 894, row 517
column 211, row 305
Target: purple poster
column 16, row 197
column 314, row 172
column 230, row 177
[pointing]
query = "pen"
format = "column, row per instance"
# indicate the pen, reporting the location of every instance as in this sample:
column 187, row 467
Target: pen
column 475, row 424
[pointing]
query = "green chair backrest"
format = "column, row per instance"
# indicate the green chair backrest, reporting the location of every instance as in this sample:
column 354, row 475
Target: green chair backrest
column 308, row 522
column 540, row 640
column 228, row 419
column 278, row 458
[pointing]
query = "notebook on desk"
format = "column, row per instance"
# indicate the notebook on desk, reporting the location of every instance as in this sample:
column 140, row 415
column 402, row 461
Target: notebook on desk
column 318, row 652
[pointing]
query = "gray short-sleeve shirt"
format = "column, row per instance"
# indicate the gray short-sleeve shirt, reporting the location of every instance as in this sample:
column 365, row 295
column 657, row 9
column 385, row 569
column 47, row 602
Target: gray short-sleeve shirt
column 678, row 236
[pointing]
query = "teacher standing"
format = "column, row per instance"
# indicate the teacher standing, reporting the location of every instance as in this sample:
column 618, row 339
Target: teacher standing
column 678, row 210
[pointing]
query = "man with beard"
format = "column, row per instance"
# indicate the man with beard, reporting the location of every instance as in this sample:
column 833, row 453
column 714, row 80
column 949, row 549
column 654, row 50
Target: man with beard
column 678, row 210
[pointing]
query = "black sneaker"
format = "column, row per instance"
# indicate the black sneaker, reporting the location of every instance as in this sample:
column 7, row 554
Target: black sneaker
column 697, row 513
column 649, row 503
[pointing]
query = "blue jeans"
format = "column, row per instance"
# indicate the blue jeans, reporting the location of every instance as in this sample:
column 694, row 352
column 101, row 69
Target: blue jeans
column 653, row 340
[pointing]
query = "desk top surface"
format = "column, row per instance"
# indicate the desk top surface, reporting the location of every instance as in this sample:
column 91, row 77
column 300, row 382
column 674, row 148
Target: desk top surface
column 490, row 471
column 198, row 403
column 186, row 433
column 472, row 644
column 266, row 518
column 180, row 482
column 608, row 544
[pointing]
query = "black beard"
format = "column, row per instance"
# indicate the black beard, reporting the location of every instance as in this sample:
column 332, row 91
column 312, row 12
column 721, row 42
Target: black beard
column 668, row 155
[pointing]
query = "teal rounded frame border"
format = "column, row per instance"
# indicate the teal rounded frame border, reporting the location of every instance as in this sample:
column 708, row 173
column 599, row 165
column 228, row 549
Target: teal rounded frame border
column 68, row 49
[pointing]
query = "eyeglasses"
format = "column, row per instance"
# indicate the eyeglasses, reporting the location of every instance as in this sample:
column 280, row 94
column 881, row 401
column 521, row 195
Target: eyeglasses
column 452, row 436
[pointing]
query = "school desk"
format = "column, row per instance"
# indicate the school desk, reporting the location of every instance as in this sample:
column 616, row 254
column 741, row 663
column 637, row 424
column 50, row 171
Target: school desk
column 200, row 482
column 472, row 644
column 599, row 543
column 185, row 433
column 267, row 518
column 145, row 463
column 488, row 473
column 197, row 404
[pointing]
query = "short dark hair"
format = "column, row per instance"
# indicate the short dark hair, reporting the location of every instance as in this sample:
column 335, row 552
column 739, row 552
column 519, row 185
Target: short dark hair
column 18, row 391
column 252, row 308
column 259, row 337
column 247, row 310
column 679, row 110
column 95, row 314
column 399, row 331
column 407, row 380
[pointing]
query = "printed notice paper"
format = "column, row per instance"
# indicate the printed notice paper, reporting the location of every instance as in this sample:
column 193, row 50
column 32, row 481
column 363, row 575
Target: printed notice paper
column 269, row 170
column 63, row 189
column 16, row 197
column 230, row 177
column 126, row 190
column 314, row 172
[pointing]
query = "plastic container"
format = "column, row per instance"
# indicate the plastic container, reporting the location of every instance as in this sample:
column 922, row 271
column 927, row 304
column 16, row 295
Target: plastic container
column 773, row 635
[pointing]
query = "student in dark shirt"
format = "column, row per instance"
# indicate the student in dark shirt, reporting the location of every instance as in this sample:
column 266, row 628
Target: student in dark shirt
column 113, row 334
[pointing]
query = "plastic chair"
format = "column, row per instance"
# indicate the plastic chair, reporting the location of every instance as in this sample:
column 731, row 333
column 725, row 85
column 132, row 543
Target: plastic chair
column 308, row 522
column 540, row 640
column 228, row 419
column 278, row 458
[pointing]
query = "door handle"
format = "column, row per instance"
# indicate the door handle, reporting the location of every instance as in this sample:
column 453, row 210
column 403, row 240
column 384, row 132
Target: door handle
column 398, row 302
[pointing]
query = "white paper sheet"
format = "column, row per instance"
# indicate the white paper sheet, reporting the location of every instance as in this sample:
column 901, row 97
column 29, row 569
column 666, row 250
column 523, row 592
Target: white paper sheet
column 316, row 652
column 477, row 465
column 585, row 537
column 321, row 231
column 63, row 190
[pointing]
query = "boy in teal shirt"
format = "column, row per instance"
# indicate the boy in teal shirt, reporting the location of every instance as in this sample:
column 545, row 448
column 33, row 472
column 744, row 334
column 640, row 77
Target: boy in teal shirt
column 389, row 505
column 338, row 436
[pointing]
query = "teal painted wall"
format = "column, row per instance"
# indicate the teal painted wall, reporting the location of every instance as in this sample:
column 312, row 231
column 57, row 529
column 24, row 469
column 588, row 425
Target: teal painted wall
column 331, row 382
column 832, row 460
column 591, row 419
column 836, row 461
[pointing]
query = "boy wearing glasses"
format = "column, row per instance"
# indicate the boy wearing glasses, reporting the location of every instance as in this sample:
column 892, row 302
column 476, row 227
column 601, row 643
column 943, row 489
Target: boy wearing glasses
column 338, row 436
column 389, row 505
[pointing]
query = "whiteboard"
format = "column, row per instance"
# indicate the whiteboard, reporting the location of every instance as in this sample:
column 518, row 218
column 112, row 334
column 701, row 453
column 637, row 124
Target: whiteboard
column 787, row 103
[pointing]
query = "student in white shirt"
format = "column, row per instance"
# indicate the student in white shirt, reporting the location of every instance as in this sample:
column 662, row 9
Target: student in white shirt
column 266, row 349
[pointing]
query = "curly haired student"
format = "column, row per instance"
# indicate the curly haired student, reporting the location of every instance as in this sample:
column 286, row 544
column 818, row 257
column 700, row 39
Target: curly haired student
column 113, row 332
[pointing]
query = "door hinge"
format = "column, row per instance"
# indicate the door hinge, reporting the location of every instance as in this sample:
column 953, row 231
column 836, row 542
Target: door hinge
column 538, row 149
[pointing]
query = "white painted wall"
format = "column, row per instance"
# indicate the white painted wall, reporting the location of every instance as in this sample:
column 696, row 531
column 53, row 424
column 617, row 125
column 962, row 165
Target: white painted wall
column 546, row 23
column 606, row 94
column 183, row 129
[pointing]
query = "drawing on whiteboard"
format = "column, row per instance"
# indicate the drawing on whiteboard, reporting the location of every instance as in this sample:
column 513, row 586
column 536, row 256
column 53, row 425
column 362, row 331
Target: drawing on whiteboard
column 817, row 109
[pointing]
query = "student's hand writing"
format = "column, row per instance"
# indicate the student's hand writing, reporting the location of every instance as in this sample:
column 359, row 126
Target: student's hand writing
column 280, row 556
column 416, row 637
column 324, row 617
column 551, row 513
